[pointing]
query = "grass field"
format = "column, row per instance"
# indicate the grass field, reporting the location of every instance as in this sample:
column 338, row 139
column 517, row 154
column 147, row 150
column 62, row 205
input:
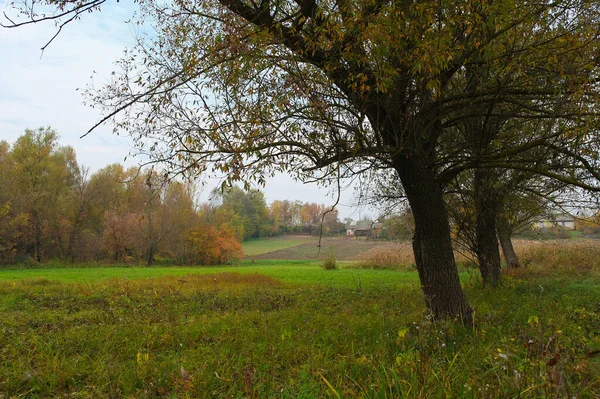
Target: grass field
column 293, row 272
column 266, row 245
column 342, row 248
column 288, row 329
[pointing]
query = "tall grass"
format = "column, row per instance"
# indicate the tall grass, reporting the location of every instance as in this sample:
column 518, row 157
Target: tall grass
column 396, row 257
column 555, row 257
column 549, row 257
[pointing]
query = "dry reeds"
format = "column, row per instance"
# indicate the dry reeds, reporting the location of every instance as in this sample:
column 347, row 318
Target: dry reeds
column 575, row 256
column 559, row 256
column 393, row 257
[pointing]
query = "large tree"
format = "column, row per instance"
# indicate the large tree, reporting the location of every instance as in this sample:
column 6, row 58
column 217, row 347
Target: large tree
column 326, row 89
column 43, row 173
column 250, row 207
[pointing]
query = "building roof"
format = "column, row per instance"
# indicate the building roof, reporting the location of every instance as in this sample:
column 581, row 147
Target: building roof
column 362, row 225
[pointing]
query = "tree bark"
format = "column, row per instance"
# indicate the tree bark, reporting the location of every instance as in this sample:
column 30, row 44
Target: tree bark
column 432, row 243
column 74, row 235
column 38, row 236
column 486, row 211
column 504, row 235
column 150, row 254
column 150, row 257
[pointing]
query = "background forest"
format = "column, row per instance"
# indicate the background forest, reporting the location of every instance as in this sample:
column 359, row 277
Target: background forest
column 51, row 207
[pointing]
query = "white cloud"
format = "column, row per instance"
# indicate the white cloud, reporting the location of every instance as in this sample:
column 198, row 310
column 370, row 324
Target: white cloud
column 41, row 89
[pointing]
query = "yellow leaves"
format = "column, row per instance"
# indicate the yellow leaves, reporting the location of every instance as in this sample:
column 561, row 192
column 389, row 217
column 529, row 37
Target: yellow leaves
column 5, row 209
column 143, row 363
column 533, row 321
column 362, row 360
column 286, row 333
column 402, row 333
column 142, row 358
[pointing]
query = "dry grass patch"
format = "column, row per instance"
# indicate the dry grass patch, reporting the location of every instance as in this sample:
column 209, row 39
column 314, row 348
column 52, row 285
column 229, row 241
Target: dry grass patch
column 393, row 256
column 575, row 257
column 398, row 256
column 222, row 280
column 191, row 283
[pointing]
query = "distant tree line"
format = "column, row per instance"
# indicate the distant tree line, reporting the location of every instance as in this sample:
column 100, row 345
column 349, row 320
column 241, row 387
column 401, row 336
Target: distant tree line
column 53, row 208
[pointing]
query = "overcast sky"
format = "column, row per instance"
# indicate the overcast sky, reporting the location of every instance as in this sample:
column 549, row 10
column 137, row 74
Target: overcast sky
column 41, row 90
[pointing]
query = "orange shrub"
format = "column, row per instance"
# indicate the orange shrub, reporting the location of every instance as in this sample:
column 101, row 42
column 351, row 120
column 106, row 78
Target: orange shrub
column 210, row 245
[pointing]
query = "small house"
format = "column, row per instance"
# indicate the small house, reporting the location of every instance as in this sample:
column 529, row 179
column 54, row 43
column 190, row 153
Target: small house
column 564, row 221
column 362, row 228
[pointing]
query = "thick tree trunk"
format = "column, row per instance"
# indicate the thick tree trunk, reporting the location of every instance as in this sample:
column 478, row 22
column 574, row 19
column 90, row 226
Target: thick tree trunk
column 432, row 243
column 486, row 211
column 488, row 254
column 512, row 261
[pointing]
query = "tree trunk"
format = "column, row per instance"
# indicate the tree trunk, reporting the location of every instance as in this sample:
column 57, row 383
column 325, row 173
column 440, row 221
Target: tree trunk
column 432, row 243
column 486, row 210
column 73, row 236
column 512, row 261
column 38, row 236
column 150, row 253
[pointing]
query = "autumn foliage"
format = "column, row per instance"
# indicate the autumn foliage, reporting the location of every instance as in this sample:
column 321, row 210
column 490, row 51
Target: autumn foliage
column 208, row 244
column 53, row 208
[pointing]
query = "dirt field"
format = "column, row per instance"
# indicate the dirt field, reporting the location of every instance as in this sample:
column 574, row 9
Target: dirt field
column 577, row 254
column 341, row 247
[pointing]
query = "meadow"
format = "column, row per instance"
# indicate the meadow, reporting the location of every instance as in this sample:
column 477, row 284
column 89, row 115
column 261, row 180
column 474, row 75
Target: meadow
column 259, row 246
column 289, row 329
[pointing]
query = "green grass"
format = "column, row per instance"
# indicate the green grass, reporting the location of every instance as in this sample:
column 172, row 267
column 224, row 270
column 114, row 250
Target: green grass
column 289, row 330
column 265, row 245
column 295, row 272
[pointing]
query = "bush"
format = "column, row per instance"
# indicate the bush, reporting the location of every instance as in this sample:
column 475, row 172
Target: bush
column 329, row 263
column 208, row 245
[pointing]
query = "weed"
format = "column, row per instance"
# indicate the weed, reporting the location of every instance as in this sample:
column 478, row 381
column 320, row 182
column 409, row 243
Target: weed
column 329, row 263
